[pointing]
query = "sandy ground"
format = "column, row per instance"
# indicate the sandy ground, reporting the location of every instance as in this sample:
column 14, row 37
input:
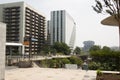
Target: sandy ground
column 46, row 74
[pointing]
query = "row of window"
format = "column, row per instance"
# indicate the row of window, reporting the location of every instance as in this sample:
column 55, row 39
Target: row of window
column 11, row 16
column 57, row 19
column 34, row 27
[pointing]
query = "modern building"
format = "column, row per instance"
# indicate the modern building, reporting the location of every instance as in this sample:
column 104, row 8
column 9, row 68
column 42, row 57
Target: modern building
column 48, row 33
column 23, row 21
column 87, row 45
column 62, row 28
column 2, row 50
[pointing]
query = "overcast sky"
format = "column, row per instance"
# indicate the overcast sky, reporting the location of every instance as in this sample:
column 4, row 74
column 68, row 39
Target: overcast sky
column 88, row 26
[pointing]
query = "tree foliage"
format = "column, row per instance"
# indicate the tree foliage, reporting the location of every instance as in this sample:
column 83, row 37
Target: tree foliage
column 77, row 50
column 95, row 48
column 60, row 62
column 61, row 48
column 57, row 47
column 76, row 60
column 106, row 58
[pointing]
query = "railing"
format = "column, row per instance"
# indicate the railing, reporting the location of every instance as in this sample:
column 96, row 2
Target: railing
column 16, row 59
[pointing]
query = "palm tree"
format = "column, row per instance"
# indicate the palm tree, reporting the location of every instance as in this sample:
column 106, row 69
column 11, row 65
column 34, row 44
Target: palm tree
column 111, row 7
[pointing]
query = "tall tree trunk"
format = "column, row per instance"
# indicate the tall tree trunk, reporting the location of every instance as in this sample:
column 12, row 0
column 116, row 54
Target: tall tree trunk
column 118, row 66
column 119, row 33
column 119, row 37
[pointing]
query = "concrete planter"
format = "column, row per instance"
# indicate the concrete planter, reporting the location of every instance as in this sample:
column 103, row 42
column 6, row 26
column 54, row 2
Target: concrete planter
column 108, row 76
column 25, row 64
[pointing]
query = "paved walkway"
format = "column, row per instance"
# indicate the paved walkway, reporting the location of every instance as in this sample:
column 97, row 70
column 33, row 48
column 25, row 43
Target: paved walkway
column 90, row 75
column 12, row 73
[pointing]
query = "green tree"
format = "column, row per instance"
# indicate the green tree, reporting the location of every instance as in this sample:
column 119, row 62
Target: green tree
column 61, row 48
column 53, row 63
column 57, row 46
column 76, row 60
column 46, row 50
column 94, row 65
column 65, row 61
column 95, row 48
column 53, row 51
column 105, row 48
column 77, row 50
column 108, row 59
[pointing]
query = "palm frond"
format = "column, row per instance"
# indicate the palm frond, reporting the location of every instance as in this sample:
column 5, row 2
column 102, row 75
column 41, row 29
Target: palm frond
column 96, row 10
column 109, row 12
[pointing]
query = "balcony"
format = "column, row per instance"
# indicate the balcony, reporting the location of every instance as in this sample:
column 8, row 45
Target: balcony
column 11, row 14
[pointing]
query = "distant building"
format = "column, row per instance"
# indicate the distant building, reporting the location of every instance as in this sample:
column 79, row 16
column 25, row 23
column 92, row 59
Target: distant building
column 48, row 33
column 23, row 21
column 62, row 28
column 88, row 45
column 2, row 50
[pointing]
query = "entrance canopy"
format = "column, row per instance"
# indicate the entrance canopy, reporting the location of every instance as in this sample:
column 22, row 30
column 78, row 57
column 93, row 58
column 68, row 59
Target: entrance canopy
column 13, row 44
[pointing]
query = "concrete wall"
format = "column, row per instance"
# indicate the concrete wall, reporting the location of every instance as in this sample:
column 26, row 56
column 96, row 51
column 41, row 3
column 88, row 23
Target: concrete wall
column 2, row 50
column 71, row 66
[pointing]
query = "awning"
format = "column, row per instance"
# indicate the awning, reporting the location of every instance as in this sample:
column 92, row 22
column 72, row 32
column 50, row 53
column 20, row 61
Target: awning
column 13, row 44
column 110, row 21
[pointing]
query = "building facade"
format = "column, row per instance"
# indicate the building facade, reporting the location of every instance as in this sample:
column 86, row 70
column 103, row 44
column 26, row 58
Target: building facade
column 62, row 28
column 88, row 45
column 48, row 33
column 2, row 50
column 23, row 21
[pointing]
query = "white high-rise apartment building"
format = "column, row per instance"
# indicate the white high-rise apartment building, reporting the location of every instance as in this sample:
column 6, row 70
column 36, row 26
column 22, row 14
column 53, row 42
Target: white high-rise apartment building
column 62, row 28
column 23, row 21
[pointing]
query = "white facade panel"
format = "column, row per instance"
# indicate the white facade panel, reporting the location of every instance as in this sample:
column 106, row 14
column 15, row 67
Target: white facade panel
column 70, row 30
column 2, row 50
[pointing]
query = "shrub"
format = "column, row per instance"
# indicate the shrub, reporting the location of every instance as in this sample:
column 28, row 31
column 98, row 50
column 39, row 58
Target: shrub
column 94, row 65
column 76, row 60
column 99, row 72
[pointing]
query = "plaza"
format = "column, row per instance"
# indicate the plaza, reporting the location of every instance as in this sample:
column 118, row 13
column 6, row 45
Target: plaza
column 37, row 73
